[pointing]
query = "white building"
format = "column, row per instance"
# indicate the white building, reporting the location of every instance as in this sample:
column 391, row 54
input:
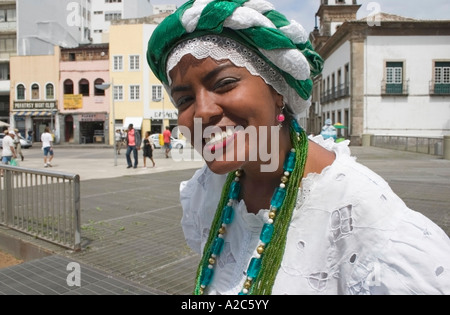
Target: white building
column 105, row 11
column 387, row 75
column 45, row 23
column 8, row 48
column 164, row 8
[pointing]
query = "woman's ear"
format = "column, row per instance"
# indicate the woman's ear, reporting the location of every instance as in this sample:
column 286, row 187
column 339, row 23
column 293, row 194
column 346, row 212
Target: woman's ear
column 280, row 101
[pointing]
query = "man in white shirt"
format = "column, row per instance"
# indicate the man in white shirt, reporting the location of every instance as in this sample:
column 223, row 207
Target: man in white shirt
column 8, row 152
column 47, row 146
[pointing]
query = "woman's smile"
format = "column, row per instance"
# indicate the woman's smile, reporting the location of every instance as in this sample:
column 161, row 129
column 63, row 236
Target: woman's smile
column 220, row 141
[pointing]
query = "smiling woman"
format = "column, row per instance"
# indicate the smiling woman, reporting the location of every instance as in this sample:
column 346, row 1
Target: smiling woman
column 240, row 73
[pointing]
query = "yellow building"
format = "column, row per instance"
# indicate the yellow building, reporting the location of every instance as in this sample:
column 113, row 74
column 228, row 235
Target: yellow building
column 34, row 93
column 139, row 98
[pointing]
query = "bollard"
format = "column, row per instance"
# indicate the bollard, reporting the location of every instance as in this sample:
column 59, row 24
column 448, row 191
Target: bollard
column 367, row 140
column 447, row 147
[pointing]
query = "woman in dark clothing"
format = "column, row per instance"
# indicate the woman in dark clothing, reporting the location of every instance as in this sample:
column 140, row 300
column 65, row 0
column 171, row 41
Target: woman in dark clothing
column 148, row 149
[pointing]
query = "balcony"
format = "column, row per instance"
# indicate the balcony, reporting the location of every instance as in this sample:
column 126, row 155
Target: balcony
column 341, row 91
column 8, row 27
column 395, row 89
column 439, row 89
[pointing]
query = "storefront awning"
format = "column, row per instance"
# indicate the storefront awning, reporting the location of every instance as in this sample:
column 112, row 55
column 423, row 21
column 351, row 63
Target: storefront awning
column 136, row 121
column 33, row 113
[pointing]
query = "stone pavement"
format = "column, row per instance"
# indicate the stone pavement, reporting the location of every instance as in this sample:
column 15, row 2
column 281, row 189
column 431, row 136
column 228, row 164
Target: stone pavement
column 131, row 233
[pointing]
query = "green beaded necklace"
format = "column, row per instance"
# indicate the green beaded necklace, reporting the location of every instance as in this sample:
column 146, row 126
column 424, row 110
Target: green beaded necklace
column 263, row 267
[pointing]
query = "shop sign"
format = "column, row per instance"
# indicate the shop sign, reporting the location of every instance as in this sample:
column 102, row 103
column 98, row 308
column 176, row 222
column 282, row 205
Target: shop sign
column 168, row 114
column 34, row 105
column 93, row 117
column 73, row 101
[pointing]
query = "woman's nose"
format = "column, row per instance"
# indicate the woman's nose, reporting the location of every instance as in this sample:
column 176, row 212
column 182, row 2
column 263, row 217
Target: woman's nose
column 207, row 108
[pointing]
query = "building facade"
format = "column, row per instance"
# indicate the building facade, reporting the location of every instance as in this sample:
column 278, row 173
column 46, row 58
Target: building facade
column 47, row 23
column 34, row 97
column 139, row 98
column 387, row 75
column 106, row 11
column 8, row 48
column 164, row 8
column 83, row 114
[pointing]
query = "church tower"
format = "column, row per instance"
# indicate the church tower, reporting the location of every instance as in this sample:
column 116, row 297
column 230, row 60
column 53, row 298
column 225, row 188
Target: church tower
column 332, row 14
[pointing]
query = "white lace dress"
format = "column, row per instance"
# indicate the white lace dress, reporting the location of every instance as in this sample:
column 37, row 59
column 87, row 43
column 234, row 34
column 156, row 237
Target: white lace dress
column 350, row 234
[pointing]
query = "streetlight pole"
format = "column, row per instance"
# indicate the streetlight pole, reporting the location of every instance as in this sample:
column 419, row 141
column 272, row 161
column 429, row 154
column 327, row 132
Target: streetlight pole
column 164, row 113
column 106, row 86
column 114, row 121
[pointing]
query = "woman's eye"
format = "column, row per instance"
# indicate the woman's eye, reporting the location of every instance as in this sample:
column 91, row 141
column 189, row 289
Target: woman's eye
column 225, row 84
column 183, row 102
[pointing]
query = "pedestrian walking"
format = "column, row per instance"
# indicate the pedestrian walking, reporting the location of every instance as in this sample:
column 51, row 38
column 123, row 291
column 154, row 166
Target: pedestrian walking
column 30, row 135
column 47, row 147
column 309, row 220
column 18, row 145
column 118, row 139
column 167, row 144
column 8, row 151
column 147, row 149
column 133, row 145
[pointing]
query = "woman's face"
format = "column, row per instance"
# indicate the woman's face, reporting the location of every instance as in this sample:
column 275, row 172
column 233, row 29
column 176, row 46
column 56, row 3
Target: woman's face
column 223, row 106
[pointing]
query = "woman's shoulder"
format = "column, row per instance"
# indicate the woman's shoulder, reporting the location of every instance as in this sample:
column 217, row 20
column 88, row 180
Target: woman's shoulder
column 204, row 185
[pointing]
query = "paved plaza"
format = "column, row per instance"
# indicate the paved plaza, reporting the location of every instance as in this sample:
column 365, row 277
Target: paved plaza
column 132, row 242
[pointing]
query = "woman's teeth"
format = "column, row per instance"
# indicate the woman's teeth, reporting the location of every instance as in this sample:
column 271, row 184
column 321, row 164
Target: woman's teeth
column 218, row 137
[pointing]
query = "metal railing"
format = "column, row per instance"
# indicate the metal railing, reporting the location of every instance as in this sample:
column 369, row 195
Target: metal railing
column 43, row 204
column 432, row 146
column 439, row 89
column 395, row 89
column 342, row 90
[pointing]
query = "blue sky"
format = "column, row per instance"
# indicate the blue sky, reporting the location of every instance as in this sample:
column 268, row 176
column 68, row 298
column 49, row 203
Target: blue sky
column 303, row 11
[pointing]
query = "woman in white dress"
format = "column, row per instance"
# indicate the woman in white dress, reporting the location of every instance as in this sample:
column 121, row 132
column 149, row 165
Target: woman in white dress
column 273, row 212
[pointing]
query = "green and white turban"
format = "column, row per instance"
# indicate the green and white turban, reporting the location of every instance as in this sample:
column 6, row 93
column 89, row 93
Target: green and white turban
column 249, row 33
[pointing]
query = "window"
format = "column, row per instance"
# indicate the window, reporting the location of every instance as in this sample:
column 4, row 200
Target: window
column 118, row 93
column 157, row 93
column 333, row 85
column 135, row 92
column 442, row 78
column 118, row 63
column 134, row 63
column 8, row 45
column 328, row 89
column 49, row 92
column 394, row 77
column 113, row 16
column 68, row 86
column 8, row 15
column 83, row 87
column 99, row 92
column 35, row 92
column 21, row 92
column 4, row 71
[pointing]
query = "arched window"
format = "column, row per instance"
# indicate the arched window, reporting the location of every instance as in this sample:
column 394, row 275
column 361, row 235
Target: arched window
column 49, row 92
column 20, row 92
column 68, row 86
column 35, row 91
column 99, row 92
column 83, row 87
